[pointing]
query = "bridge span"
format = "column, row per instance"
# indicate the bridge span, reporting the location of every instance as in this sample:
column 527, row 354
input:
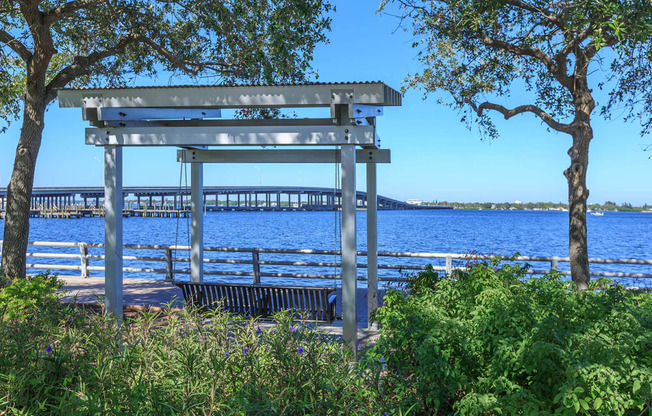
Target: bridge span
column 231, row 198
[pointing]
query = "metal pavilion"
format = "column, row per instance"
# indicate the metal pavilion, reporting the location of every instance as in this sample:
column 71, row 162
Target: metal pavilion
column 190, row 118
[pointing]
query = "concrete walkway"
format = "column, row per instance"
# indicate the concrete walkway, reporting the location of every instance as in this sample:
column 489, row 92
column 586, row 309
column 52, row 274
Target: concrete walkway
column 147, row 292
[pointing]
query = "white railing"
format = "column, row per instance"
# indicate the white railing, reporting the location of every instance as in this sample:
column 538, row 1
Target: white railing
column 255, row 263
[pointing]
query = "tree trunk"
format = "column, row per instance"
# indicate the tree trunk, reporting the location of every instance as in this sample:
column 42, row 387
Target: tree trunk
column 19, row 191
column 577, row 197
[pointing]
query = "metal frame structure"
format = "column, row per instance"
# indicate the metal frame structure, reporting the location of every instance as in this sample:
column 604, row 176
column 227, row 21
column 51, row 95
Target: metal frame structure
column 188, row 117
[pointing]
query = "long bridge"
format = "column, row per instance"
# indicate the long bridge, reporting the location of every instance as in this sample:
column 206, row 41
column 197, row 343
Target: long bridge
column 175, row 201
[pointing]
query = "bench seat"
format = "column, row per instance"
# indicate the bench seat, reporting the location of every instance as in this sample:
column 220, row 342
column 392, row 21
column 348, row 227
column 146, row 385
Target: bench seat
column 318, row 303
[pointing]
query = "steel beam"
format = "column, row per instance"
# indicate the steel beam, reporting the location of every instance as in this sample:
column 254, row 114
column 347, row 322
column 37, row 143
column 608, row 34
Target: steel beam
column 197, row 223
column 370, row 156
column 133, row 113
column 349, row 263
column 372, row 242
column 277, row 122
column 113, row 203
column 232, row 136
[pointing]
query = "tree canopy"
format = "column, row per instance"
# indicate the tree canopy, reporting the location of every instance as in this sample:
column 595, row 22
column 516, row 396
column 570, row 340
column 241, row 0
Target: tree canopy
column 109, row 43
column 477, row 50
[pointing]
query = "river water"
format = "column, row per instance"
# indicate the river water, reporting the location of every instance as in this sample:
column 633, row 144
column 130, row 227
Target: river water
column 533, row 233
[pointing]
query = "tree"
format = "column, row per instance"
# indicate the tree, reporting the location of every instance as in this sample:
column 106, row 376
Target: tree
column 47, row 45
column 480, row 50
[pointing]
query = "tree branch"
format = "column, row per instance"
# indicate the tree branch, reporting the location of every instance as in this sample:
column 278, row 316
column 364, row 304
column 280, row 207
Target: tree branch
column 551, row 16
column 536, row 53
column 517, row 50
column 82, row 65
column 10, row 10
column 507, row 113
column 16, row 46
column 69, row 8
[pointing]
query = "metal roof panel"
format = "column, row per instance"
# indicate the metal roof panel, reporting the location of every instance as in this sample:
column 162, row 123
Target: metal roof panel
column 309, row 94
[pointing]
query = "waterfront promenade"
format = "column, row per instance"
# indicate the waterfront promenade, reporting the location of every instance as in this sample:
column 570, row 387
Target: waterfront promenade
column 159, row 293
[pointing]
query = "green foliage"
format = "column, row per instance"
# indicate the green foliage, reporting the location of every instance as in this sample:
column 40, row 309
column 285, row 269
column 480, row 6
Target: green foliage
column 488, row 342
column 68, row 361
column 22, row 298
column 423, row 281
column 475, row 50
column 104, row 44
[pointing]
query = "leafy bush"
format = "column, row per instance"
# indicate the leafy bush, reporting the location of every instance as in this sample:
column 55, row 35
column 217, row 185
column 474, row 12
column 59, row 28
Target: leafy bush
column 21, row 298
column 488, row 342
column 66, row 360
column 482, row 342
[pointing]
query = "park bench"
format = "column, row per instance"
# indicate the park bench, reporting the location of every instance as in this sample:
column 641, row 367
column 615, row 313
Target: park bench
column 315, row 303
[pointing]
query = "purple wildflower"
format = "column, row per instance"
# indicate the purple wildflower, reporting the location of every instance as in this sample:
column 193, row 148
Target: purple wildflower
column 8, row 282
column 48, row 350
column 360, row 345
column 292, row 329
column 300, row 350
column 226, row 354
column 259, row 330
column 245, row 351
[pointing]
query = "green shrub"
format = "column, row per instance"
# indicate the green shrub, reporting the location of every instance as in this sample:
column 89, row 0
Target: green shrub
column 488, row 342
column 21, row 298
column 65, row 360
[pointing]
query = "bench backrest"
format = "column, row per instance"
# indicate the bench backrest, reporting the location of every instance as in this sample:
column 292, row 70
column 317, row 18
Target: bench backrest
column 261, row 300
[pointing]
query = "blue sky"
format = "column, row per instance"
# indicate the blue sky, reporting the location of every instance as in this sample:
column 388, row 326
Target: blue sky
column 434, row 156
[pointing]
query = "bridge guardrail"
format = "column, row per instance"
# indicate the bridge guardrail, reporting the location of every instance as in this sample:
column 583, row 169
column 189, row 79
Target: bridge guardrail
column 251, row 262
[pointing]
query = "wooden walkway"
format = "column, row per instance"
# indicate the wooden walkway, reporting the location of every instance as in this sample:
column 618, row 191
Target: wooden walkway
column 147, row 292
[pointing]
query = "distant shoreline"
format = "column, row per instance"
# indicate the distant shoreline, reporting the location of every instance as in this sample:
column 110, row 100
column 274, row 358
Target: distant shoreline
column 545, row 210
column 541, row 206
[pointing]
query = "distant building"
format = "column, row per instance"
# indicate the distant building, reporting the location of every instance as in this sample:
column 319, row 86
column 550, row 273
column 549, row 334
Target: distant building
column 414, row 201
column 518, row 202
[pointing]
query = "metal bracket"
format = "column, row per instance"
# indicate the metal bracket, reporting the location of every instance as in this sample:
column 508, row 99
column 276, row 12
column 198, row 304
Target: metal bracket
column 358, row 114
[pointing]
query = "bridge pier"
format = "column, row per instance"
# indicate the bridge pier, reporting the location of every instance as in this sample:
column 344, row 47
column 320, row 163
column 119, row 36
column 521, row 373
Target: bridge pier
column 307, row 198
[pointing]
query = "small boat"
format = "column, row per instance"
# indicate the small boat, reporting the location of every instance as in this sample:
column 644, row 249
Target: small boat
column 598, row 214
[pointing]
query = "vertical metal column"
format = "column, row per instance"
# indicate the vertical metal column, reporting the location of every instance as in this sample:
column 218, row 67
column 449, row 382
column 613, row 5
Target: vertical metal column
column 197, row 222
column 113, row 202
column 372, row 242
column 349, row 267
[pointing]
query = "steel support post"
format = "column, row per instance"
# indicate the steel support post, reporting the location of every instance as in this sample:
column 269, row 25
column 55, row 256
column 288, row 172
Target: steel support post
column 372, row 242
column 349, row 265
column 197, row 222
column 113, row 202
